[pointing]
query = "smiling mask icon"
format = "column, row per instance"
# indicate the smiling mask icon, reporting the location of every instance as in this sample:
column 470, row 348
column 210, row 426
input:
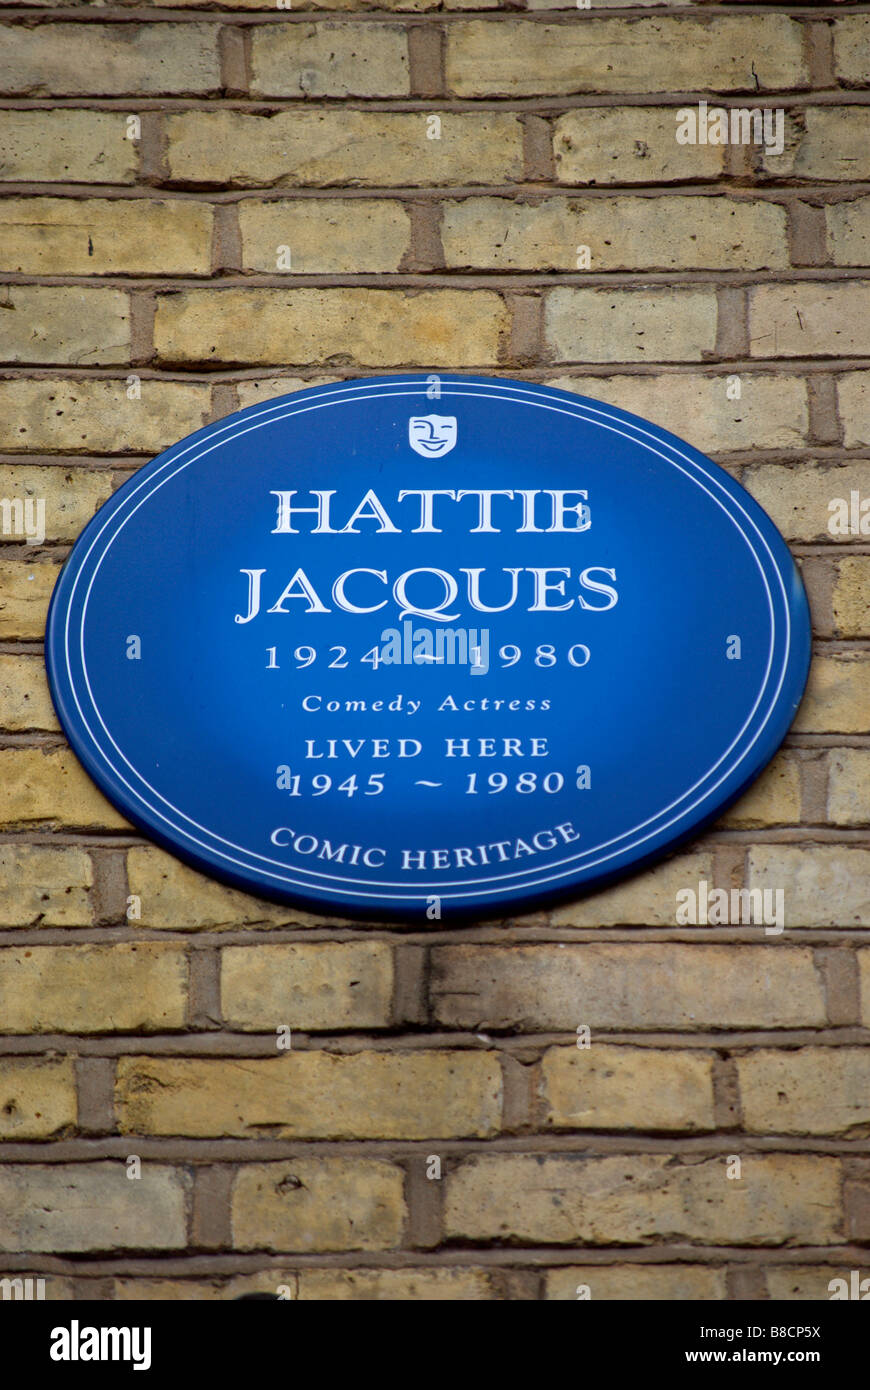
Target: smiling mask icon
column 432, row 435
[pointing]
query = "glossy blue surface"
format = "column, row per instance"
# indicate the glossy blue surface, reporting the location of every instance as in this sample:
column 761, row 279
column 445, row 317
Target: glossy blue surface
column 649, row 656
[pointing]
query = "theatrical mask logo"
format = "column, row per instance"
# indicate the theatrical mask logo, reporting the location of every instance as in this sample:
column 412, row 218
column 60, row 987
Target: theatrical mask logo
column 432, row 435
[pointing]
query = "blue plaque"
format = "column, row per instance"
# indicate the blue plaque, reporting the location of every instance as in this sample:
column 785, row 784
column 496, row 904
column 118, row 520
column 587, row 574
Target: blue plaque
column 419, row 644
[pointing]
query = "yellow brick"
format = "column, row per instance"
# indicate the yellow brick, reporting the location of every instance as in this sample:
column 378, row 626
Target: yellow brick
column 25, row 589
column 728, row 53
column 92, row 989
column 815, row 1090
column 370, row 327
column 267, row 388
column 56, row 59
column 64, row 324
column 410, row 5
column 630, row 325
column 37, row 1097
column 603, row 1087
column 44, row 887
column 404, row 1285
column 849, row 786
column 201, row 1290
column 325, row 235
column 853, row 396
column 51, row 787
column 174, row 896
column 852, row 596
column 643, row 1197
column 632, row 144
column 78, row 416
column 101, row 236
column 24, row 699
column 864, row 971
column 830, row 142
column 771, row 413
column 71, row 495
column 796, row 496
column 608, row 5
column 320, row 1285
column 774, row 799
column 621, row 233
column 322, row 986
column 851, row 41
column 313, row 1095
column 838, row 696
column 633, row 1282
column 648, row 900
column 634, row 986
column 329, row 60
column 808, row 1282
column 848, row 231
column 561, row 5
column 824, row 885
column 318, row 1204
column 365, row 148
column 67, row 146
column 78, row 1207
column 810, row 319
column 54, row 1288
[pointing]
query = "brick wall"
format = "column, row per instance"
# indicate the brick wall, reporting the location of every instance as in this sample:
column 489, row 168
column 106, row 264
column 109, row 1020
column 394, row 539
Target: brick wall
column 432, row 173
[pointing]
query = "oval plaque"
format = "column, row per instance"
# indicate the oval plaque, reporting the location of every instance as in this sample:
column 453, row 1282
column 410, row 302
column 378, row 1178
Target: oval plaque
column 415, row 638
